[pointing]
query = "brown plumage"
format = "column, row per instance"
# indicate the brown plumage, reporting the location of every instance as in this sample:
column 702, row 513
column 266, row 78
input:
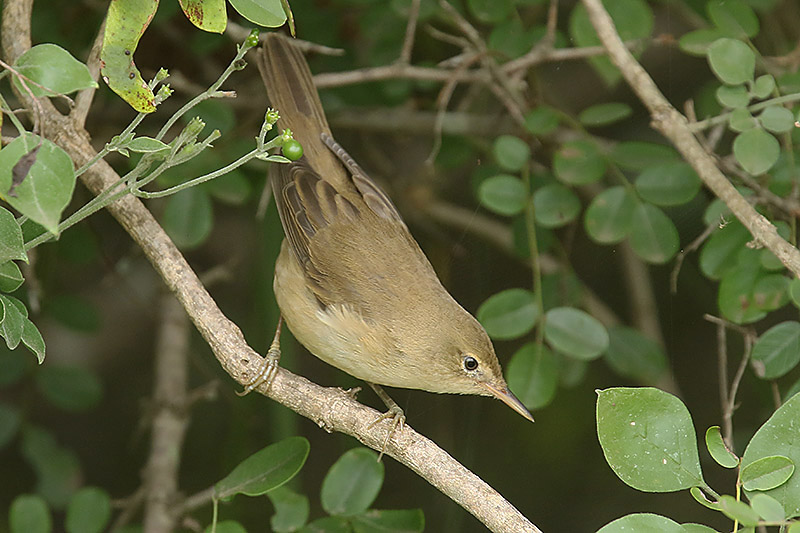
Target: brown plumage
column 351, row 282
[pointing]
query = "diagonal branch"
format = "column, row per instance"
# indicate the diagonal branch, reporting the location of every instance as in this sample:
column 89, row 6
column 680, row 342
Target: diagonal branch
column 330, row 408
column 674, row 126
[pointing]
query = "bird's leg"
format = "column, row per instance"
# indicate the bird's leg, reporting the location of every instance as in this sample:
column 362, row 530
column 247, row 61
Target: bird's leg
column 269, row 364
column 395, row 413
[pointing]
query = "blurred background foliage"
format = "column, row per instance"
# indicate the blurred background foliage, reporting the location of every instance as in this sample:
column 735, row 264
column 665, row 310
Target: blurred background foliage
column 580, row 144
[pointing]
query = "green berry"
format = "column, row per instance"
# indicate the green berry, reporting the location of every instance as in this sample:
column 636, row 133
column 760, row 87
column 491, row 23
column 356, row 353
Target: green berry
column 252, row 39
column 292, row 150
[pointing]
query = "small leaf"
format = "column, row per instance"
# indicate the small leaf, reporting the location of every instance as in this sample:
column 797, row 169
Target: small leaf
column 511, row 153
column 736, row 510
column 638, row 155
column 509, row 314
column 504, row 194
column 146, row 145
column 268, row 13
column 188, row 217
column 579, row 163
column 735, row 298
column 208, row 15
column 648, row 439
column 653, row 237
column 732, row 61
column 734, row 17
column 741, row 120
column 767, row 507
column 777, row 119
column 778, row 349
column 392, row 521
column 719, row 450
column 352, row 483
column 698, row 42
column 733, row 96
column 767, row 473
column 88, row 511
column 609, row 217
column 778, row 436
column 670, row 184
column 533, row 375
column 29, row 514
column 719, row 253
column 71, row 388
column 265, row 470
column 642, row 523
column 541, row 121
column 703, row 500
column 10, row 277
column 54, row 68
column 575, row 333
column 12, row 245
column 13, row 320
column 763, row 86
column 291, row 509
column 634, row 355
column 490, row 11
column 604, row 114
column 555, row 205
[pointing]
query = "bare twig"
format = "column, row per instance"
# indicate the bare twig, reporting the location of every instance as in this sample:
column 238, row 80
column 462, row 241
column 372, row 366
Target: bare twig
column 692, row 247
column 411, row 30
column 83, row 100
column 674, row 126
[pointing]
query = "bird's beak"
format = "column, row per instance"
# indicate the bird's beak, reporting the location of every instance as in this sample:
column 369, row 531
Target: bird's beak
column 508, row 398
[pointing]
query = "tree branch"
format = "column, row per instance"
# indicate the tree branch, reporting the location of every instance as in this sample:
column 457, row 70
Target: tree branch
column 330, row 408
column 675, row 127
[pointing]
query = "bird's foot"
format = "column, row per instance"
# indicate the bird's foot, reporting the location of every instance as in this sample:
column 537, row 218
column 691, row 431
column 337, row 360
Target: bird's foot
column 395, row 413
column 268, row 366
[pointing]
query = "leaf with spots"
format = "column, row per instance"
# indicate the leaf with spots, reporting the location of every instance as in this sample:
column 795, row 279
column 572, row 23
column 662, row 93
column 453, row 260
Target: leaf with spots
column 126, row 22
column 208, row 15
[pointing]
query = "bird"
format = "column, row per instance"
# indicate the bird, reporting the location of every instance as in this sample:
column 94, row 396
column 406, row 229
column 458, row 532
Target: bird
column 352, row 284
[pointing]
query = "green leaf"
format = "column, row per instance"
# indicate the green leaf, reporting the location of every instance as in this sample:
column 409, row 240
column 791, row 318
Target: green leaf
column 763, row 86
column 11, row 244
column 703, row 500
column 232, row 188
column 767, row 473
column 509, row 314
column 223, row 526
column 648, row 439
column 265, row 470
column 633, row 355
column 653, row 237
column 794, row 291
column 642, row 523
column 735, row 96
column 575, row 333
column 329, row 524
column 736, row 510
column 734, row 17
column 719, row 450
column 771, row 292
column 188, row 217
column 698, row 42
column 88, row 511
column 732, row 61
column 71, row 388
column 604, row 114
column 542, row 121
column 639, row 155
column 15, row 366
column 767, row 507
column 735, row 298
column 46, row 188
column 208, row 15
column 670, row 184
column 579, row 163
column 609, row 217
column 633, row 20
column 393, row 521
column 291, row 509
column 741, row 120
column 53, row 68
column 146, row 145
column 719, row 253
column 778, row 349
column 352, row 483
column 13, row 321
column 555, row 205
column 510, row 38
column 58, row 471
column 10, row 277
column 29, row 514
column 490, row 11
column 777, row 119
column 778, row 436
column 268, row 13
column 10, row 418
column 74, row 312
column 503, row 194
column 533, row 375
column 125, row 24
column 698, row 528
column 511, row 153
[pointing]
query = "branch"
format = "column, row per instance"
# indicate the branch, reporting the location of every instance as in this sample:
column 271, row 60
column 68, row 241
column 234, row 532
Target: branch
column 675, row 127
column 330, row 408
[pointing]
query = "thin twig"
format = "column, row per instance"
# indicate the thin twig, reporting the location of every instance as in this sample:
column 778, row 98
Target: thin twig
column 411, row 30
column 83, row 100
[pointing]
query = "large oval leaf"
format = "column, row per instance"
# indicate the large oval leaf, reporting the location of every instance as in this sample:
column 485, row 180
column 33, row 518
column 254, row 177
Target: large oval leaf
column 352, row 483
column 509, row 314
column 575, row 333
column 54, row 68
column 654, row 237
column 609, row 217
column 778, row 349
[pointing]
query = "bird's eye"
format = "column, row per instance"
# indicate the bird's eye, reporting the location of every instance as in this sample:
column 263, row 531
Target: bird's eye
column 470, row 363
